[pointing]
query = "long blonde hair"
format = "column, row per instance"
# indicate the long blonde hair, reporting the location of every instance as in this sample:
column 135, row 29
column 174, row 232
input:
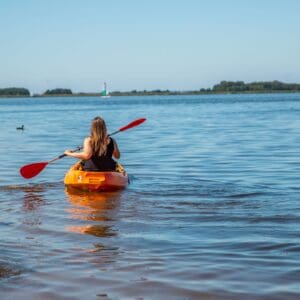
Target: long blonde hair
column 99, row 138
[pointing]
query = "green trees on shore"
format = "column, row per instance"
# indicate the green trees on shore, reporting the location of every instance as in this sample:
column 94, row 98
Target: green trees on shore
column 222, row 87
column 14, row 92
column 261, row 86
column 225, row 87
column 22, row 92
column 58, row 92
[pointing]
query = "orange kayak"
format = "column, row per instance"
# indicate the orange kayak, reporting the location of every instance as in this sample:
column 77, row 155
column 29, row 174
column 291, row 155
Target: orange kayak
column 96, row 181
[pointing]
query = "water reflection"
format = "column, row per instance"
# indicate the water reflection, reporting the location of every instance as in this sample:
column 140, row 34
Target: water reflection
column 33, row 198
column 95, row 215
column 98, row 208
column 8, row 270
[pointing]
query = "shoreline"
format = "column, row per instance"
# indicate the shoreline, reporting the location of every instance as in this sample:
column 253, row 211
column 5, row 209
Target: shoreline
column 222, row 88
column 122, row 94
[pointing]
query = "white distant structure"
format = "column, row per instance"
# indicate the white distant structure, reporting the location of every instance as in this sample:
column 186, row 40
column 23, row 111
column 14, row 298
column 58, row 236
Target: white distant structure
column 105, row 93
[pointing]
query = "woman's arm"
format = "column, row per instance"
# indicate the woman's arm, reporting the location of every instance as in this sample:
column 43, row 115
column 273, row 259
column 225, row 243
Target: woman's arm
column 116, row 153
column 86, row 152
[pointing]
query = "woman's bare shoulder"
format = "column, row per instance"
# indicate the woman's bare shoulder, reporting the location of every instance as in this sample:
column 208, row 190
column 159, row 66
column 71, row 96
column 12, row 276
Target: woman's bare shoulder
column 87, row 139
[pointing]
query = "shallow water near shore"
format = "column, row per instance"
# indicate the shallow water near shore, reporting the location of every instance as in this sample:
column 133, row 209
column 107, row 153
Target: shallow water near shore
column 212, row 211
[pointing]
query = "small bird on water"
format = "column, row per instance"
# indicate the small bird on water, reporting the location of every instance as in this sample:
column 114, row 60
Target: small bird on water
column 20, row 128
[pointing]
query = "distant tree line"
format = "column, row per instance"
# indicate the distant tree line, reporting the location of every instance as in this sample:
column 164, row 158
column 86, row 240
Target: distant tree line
column 58, row 92
column 144, row 92
column 222, row 87
column 260, row 86
column 225, row 87
column 14, row 92
column 10, row 92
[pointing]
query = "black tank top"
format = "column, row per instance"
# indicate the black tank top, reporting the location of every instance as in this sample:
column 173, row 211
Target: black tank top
column 101, row 163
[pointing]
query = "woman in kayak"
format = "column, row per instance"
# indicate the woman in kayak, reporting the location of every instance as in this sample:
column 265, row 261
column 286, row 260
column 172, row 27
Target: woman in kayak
column 98, row 149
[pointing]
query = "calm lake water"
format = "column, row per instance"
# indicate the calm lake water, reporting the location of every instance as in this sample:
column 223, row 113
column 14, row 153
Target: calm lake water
column 212, row 211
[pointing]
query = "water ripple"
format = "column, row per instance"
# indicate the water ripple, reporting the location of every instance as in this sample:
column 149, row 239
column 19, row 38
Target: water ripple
column 212, row 211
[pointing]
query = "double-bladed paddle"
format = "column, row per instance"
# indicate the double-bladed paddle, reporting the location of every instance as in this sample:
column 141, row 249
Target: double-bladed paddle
column 31, row 170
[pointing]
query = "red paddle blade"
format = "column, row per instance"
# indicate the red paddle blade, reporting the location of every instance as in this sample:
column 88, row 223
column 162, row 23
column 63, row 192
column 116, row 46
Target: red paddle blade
column 31, row 170
column 133, row 124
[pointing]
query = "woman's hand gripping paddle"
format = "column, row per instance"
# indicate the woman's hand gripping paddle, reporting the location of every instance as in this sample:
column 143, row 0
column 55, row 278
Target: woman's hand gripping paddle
column 31, row 170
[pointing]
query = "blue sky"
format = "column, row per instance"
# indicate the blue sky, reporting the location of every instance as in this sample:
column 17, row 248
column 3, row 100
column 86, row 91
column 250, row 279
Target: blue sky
column 176, row 45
